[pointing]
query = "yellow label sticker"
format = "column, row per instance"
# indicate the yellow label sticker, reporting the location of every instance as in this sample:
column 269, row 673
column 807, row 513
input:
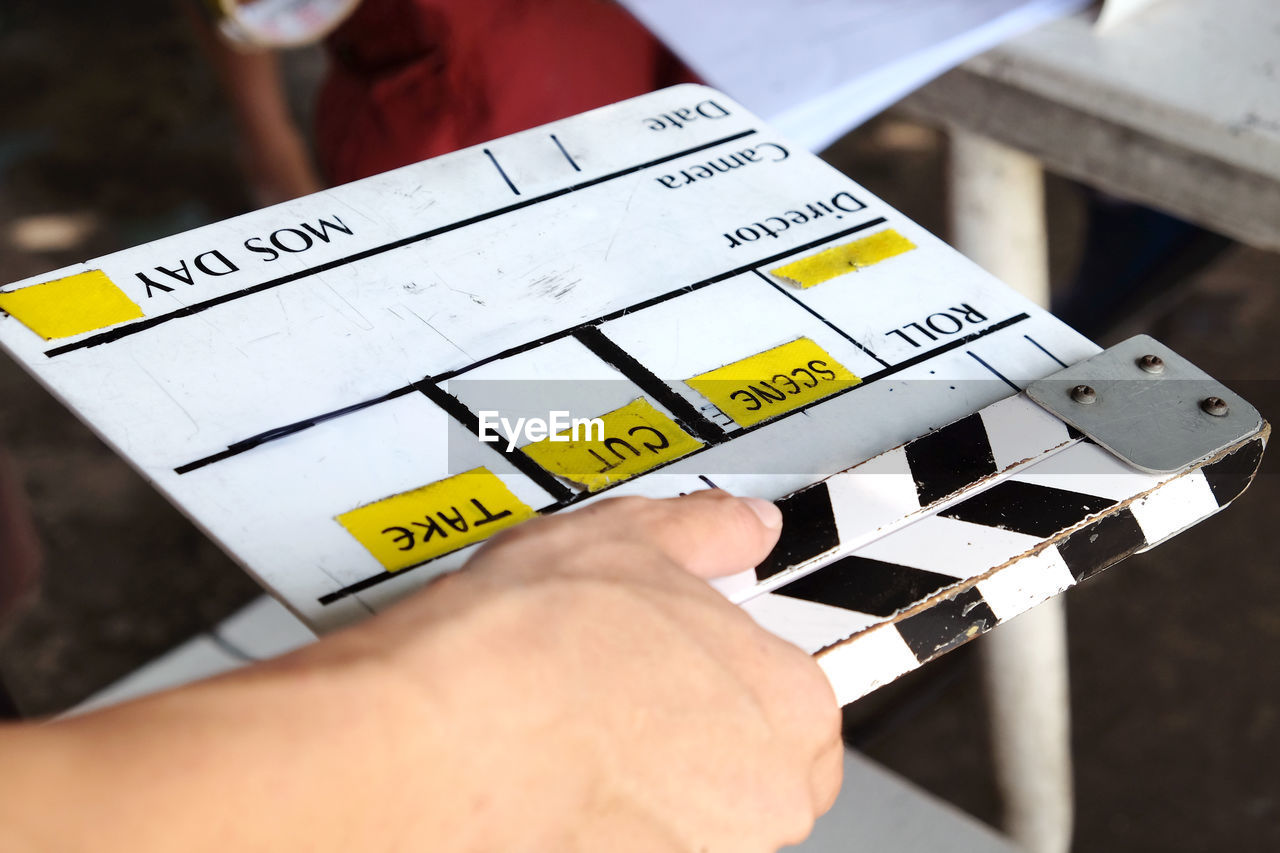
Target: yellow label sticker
column 412, row 527
column 619, row 445
column 773, row 382
column 839, row 260
column 70, row 306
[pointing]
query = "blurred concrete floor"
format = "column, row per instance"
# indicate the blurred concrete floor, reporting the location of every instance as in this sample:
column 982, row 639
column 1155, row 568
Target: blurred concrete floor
column 112, row 133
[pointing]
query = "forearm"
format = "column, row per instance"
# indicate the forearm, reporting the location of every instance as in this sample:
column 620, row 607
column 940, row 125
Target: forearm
column 361, row 741
column 292, row 755
column 276, row 158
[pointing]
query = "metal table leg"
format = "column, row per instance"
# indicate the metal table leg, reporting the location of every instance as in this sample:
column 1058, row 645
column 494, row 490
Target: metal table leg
column 998, row 220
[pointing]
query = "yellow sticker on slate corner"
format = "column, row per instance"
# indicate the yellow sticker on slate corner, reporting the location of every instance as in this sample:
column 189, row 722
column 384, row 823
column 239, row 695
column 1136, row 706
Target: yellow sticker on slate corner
column 412, row 527
column 629, row 441
column 773, row 382
column 839, row 260
column 70, row 306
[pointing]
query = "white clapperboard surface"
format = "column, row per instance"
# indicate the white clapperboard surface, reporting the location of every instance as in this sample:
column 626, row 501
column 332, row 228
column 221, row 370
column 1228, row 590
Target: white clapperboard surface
column 709, row 303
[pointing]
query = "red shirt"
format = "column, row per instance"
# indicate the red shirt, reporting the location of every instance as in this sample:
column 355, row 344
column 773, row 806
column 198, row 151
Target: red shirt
column 411, row 79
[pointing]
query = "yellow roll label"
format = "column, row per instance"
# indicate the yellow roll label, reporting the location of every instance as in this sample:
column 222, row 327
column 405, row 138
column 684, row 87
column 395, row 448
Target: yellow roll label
column 70, row 306
column 412, row 527
column 622, row 443
column 850, row 257
column 774, row 382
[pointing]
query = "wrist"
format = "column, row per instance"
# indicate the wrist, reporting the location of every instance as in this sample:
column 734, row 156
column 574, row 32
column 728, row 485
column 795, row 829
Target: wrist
column 499, row 753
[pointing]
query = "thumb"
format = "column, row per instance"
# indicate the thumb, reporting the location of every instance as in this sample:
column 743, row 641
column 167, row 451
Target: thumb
column 709, row 533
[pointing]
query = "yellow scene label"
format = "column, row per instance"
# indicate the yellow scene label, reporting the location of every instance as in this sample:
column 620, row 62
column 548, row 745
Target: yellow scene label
column 774, row 382
column 70, row 306
column 839, row 260
column 634, row 439
column 411, row 527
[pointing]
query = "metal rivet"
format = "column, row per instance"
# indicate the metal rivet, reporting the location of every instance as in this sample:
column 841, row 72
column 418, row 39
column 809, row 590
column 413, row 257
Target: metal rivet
column 1084, row 394
column 1215, row 406
column 1151, row 363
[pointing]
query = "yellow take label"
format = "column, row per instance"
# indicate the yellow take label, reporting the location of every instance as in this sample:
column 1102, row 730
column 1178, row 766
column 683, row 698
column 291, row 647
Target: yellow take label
column 623, row 443
column 773, row 382
column 412, row 527
column 839, row 260
column 70, row 306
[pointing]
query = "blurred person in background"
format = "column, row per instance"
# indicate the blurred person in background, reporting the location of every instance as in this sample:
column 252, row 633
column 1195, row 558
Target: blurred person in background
column 413, row 79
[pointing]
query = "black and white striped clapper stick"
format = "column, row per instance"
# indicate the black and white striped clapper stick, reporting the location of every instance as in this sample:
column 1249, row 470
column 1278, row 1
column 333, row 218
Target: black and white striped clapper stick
column 895, row 561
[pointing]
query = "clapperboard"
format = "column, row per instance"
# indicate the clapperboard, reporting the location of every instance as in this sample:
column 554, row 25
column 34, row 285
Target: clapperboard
column 652, row 298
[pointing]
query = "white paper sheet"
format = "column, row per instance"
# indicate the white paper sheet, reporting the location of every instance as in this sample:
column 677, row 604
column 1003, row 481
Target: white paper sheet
column 816, row 69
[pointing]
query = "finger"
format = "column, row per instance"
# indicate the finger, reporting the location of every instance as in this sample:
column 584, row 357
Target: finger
column 709, row 533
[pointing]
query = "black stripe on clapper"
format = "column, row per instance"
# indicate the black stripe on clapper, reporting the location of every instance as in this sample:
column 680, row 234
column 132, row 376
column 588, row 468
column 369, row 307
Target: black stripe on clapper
column 951, row 458
column 686, row 415
column 866, row 586
column 947, row 624
column 1231, row 475
column 577, row 168
column 1027, row 508
column 808, row 530
column 1104, row 543
column 288, row 429
column 501, row 171
column 517, row 457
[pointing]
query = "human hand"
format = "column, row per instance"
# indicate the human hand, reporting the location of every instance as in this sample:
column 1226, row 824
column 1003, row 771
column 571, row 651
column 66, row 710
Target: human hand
column 597, row 694
column 577, row 686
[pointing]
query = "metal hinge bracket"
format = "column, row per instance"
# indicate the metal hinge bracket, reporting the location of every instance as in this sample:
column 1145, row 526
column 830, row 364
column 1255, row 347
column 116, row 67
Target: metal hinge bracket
column 1148, row 405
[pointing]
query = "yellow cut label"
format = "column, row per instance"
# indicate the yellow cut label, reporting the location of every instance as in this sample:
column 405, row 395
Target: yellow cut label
column 839, row 260
column 774, row 382
column 70, row 306
column 412, row 527
column 619, row 445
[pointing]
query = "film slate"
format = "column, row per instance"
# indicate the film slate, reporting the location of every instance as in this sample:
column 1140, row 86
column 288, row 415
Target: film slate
column 350, row 391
